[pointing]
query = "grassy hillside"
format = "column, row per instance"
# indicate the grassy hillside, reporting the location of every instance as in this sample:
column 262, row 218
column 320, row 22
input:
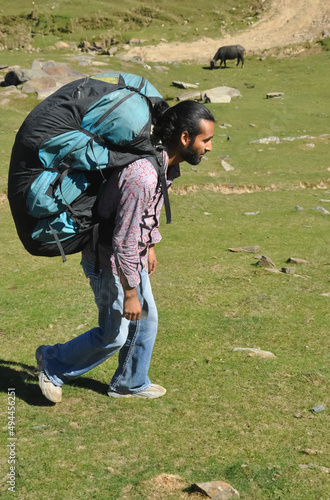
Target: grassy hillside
column 227, row 415
column 44, row 22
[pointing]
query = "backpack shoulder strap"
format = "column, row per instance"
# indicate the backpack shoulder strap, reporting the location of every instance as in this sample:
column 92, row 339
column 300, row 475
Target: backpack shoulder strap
column 157, row 162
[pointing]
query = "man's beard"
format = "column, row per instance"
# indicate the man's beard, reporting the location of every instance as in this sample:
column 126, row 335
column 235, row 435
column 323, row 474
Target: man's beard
column 190, row 156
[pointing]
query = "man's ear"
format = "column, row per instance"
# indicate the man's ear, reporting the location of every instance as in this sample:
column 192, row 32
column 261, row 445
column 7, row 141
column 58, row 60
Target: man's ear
column 185, row 138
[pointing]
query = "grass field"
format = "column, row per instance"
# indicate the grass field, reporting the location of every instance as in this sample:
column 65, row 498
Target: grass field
column 227, row 415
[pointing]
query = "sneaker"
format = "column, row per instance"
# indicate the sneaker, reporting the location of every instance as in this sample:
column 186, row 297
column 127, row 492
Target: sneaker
column 154, row 391
column 49, row 390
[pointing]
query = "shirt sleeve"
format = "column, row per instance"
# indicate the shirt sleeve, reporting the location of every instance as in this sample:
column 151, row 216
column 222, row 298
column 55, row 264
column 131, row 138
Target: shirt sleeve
column 136, row 225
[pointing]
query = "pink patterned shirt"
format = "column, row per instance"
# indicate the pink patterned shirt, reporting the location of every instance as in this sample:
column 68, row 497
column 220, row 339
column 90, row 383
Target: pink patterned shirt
column 131, row 203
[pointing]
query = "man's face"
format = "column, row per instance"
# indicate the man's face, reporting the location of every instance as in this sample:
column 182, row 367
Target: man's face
column 194, row 151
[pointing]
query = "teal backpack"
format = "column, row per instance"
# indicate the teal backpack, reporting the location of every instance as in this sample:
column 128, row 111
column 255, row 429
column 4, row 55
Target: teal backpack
column 64, row 152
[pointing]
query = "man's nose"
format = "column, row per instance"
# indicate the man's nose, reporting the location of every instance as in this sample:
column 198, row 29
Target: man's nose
column 208, row 146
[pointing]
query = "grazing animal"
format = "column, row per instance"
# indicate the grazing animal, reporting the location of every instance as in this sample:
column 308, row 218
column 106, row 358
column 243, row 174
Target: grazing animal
column 228, row 52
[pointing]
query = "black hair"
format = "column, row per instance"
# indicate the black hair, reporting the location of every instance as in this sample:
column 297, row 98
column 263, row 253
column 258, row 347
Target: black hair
column 170, row 122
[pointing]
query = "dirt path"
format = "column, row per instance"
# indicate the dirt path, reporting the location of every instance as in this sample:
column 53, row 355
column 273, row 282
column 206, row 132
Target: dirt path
column 286, row 22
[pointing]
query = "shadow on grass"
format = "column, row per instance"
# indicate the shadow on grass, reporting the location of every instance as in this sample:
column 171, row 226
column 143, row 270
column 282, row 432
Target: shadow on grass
column 24, row 380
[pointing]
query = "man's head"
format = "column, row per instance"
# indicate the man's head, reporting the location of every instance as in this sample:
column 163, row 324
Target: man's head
column 186, row 131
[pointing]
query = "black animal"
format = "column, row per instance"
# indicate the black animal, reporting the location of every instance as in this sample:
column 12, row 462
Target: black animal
column 228, row 52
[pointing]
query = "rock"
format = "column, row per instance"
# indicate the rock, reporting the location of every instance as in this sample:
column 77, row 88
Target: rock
column 297, row 207
column 38, row 84
column 266, row 262
column 112, row 51
column 226, row 166
column 19, row 75
column 210, row 97
column 323, row 210
column 184, row 85
column 293, row 260
column 327, row 294
column 252, row 213
column 43, row 77
column 84, row 46
column 220, row 94
column 12, row 89
column 309, row 451
column 135, row 41
column 44, row 93
column 62, row 45
column 252, row 249
column 267, row 140
column 314, row 466
column 255, row 352
column 192, row 94
column 100, row 46
column 288, row 270
column 217, row 490
column 160, row 68
column 271, row 95
column 53, row 68
column 317, row 408
column 215, row 95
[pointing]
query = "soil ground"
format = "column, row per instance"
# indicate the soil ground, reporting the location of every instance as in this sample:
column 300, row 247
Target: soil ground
column 286, row 22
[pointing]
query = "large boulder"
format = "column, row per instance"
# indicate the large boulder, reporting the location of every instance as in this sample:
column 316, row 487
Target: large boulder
column 44, row 77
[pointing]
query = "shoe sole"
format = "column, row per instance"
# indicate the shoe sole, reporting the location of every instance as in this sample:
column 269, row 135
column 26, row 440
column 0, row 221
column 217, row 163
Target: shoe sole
column 142, row 394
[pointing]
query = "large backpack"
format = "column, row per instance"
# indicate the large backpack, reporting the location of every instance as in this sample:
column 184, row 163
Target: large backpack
column 64, row 152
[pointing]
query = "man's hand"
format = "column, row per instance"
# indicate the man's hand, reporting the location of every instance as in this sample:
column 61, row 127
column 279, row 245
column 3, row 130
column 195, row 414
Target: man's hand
column 132, row 307
column 152, row 261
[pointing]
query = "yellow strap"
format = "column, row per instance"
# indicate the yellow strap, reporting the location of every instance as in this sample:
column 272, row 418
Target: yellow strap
column 108, row 79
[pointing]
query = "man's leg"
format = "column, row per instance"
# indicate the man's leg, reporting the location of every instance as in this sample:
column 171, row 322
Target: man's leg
column 63, row 362
column 131, row 375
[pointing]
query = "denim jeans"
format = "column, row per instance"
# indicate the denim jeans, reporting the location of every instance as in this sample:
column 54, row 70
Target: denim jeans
column 133, row 340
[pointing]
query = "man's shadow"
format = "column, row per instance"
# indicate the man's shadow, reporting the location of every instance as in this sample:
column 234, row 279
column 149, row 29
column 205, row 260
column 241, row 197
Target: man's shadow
column 24, row 380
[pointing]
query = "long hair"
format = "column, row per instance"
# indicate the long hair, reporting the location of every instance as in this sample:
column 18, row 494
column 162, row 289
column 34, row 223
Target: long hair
column 170, row 122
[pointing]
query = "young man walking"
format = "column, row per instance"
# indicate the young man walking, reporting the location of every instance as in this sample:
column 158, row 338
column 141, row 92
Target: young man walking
column 129, row 208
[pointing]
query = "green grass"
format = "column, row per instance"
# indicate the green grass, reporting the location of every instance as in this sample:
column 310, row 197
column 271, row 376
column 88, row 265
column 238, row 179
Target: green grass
column 43, row 21
column 226, row 415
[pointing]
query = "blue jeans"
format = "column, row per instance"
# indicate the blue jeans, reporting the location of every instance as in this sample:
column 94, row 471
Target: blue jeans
column 133, row 340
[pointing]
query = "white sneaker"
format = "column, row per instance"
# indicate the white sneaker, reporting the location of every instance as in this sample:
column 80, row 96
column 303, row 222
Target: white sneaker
column 154, row 391
column 49, row 390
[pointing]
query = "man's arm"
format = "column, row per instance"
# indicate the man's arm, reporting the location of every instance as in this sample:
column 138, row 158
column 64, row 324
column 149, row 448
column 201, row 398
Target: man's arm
column 138, row 183
column 152, row 261
column 132, row 306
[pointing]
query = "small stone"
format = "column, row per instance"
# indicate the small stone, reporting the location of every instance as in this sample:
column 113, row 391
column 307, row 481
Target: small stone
column 62, row 45
column 217, row 490
column 297, row 207
column 266, row 262
column 226, row 166
column 184, row 85
column 314, row 466
column 293, row 260
column 271, row 95
column 288, row 270
column 252, row 249
column 255, row 352
column 252, row 213
column 308, row 451
column 323, row 210
column 317, row 408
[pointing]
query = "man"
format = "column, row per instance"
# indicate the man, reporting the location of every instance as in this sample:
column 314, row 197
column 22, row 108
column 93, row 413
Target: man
column 129, row 209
